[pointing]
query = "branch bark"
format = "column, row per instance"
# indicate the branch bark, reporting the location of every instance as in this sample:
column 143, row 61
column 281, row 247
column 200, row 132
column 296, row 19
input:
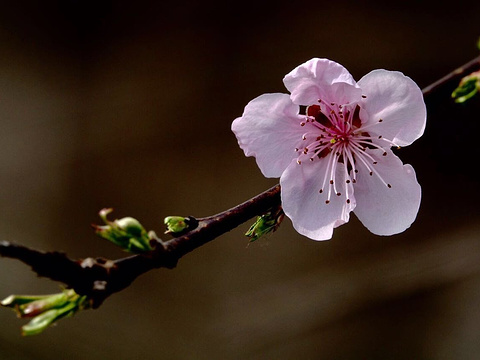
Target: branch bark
column 98, row 278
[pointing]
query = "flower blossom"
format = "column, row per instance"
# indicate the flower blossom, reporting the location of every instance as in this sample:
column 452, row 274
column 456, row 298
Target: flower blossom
column 330, row 142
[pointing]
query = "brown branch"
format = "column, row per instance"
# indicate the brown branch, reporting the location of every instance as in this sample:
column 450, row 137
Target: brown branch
column 452, row 79
column 99, row 278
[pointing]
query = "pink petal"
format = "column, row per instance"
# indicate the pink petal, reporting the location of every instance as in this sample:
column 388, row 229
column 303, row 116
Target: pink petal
column 398, row 101
column 270, row 130
column 321, row 79
column 384, row 210
column 306, row 207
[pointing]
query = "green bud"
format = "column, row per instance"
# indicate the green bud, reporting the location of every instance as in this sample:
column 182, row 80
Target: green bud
column 469, row 86
column 126, row 232
column 45, row 309
column 16, row 300
column 268, row 222
column 176, row 224
column 130, row 226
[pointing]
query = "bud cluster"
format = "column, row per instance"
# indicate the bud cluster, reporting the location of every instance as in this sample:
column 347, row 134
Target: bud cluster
column 45, row 309
column 126, row 232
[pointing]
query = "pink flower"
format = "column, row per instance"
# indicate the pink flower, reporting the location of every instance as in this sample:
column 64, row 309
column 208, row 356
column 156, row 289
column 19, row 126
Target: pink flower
column 330, row 143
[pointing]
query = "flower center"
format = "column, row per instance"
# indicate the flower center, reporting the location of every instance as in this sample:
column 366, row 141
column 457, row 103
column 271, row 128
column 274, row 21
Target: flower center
column 335, row 134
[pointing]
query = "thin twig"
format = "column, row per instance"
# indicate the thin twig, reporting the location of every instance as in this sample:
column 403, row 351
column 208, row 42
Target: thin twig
column 453, row 77
column 99, row 278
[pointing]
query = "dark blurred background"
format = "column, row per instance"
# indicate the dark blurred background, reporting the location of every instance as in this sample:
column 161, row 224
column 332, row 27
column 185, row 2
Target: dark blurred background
column 129, row 105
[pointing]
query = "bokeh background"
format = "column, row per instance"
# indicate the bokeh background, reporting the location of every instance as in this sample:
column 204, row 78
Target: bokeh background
column 129, row 105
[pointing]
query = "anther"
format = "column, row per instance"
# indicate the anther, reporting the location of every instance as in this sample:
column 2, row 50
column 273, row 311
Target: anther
column 364, row 96
column 389, row 186
column 327, row 201
column 385, row 153
column 339, row 194
column 348, row 181
column 331, row 182
column 348, row 201
column 380, row 120
column 311, row 159
column 375, row 163
column 371, row 173
column 320, row 191
column 380, row 136
column 299, row 162
column 302, row 123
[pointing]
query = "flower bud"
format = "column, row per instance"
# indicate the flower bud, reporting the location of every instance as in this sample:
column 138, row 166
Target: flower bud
column 130, row 226
column 126, row 232
column 175, row 224
column 268, row 222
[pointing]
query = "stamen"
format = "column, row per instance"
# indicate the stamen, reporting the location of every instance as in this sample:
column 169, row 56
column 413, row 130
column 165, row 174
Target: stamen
column 332, row 176
column 371, row 170
column 336, row 136
column 329, row 164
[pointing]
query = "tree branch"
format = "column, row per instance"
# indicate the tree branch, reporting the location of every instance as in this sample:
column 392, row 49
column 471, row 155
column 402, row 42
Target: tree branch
column 99, row 278
column 453, row 77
